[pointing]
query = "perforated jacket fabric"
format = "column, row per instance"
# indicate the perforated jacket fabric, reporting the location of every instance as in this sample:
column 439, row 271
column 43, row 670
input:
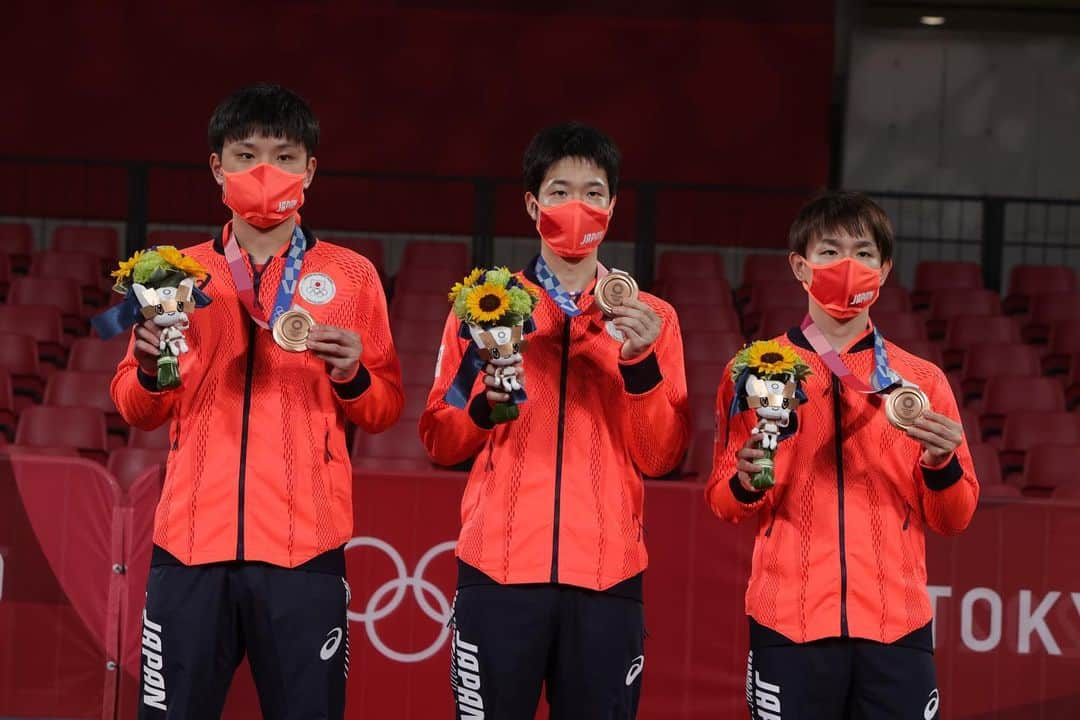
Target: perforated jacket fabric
column 840, row 548
column 557, row 494
column 259, row 468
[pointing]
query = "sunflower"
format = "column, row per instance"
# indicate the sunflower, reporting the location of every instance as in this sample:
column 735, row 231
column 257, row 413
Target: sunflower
column 184, row 263
column 769, row 357
column 487, row 302
column 126, row 267
column 473, row 277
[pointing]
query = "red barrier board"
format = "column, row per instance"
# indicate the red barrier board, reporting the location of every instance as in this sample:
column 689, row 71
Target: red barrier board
column 1007, row 601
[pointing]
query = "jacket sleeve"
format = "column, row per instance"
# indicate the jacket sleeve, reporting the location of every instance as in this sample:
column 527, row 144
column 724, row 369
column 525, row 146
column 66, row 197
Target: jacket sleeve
column 658, row 410
column 136, row 396
column 373, row 398
column 949, row 493
column 724, row 493
column 451, row 435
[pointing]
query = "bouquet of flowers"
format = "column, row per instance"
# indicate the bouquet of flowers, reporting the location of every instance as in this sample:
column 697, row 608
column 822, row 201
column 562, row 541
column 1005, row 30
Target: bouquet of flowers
column 768, row 377
column 495, row 308
column 161, row 281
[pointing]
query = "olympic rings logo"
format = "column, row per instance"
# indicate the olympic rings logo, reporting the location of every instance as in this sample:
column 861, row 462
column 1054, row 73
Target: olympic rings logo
column 425, row 592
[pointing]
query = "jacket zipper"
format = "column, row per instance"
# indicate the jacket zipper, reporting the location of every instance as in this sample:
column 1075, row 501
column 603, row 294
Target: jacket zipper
column 249, row 373
column 564, row 373
column 326, row 442
column 772, row 521
column 838, row 422
column 907, row 518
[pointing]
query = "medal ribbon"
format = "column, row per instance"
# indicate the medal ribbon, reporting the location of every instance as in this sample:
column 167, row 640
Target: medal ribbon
column 884, row 379
column 290, row 277
column 554, row 287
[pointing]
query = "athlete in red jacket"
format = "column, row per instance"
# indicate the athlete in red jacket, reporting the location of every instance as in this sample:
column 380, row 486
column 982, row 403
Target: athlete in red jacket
column 257, row 503
column 552, row 552
column 839, row 612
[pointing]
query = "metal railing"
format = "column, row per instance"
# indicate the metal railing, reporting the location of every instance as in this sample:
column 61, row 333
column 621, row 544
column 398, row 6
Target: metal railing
column 995, row 231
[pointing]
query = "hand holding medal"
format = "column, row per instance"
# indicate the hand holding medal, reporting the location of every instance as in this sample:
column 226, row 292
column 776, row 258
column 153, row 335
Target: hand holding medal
column 635, row 322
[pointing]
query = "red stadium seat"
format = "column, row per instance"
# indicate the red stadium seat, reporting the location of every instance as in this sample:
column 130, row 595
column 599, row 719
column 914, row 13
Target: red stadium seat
column 419, row 308
column 704, row 378
column 987, row 465
column 417, row 337
column 39, row 450
column 7, row 406
column 966, row 331
column 777, row 321
column 987, row 360
column 924, row 349
column 415, row 401
column 427, row 281
column 680, row 265
column 969, row 419
column 370, row 248
column 1025, row 429
column 715, row 294
column 1064, row 346
column 97, row 355
column 158, row 439
column 83, row 268
column 401, row 443
column 452, row 256
column 5, row 275
column 417, row 367
column 711, row 347
column 19, row 356
column 70, row 388
column 129, row 464
column 768, row 269
column 17, row 242
column 1003, row 396
column 702, row 447
column 892, row 299
column 61, row 293
column 1046, row 312
column 934, row 275
column 702, row 412
column 1049, row 468
column 949, row 304
column 781, row 295
column 1027, row 281
column 102, row 242
column 179, row 239
column 82, row 428
column 900, row 328
column 703, row 317
column 43, row 323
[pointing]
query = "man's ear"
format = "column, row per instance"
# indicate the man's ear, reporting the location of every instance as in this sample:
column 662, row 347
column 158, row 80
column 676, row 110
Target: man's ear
column 800, row 268
column 532, row 207
column 309, row 172
column 886, row 269
column 611, row 206
column 216, row 170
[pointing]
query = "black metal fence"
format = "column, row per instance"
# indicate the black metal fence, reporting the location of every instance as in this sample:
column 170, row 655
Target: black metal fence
column 997, row 232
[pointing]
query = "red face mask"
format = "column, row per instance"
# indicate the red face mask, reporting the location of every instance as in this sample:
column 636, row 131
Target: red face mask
column 264, row 195
column 573, row 229
column 844, row 288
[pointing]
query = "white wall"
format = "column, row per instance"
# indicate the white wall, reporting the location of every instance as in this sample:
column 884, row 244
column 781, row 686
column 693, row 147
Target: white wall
column 933, row 111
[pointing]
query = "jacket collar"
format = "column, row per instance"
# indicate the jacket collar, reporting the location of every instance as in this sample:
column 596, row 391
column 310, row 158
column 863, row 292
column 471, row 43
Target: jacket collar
column 798, row 339
column 309, row 241
column 530, row 274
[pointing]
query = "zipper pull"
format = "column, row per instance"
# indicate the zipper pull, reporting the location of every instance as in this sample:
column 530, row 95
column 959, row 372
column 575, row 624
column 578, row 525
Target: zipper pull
column 326, row 443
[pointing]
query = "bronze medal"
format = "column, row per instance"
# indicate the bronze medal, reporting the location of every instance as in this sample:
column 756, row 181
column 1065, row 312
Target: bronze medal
column 292, row 328
column 905, row 405
column 614, row 289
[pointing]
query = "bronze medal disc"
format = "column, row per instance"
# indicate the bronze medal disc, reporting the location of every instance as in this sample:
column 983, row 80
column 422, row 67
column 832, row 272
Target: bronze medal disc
column 292, row 328
column 614, row 289
column 906, row 405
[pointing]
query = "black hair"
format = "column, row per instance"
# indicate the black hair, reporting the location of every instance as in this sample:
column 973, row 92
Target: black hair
column 853, row 212
column 265, row 109
column 570, row 140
